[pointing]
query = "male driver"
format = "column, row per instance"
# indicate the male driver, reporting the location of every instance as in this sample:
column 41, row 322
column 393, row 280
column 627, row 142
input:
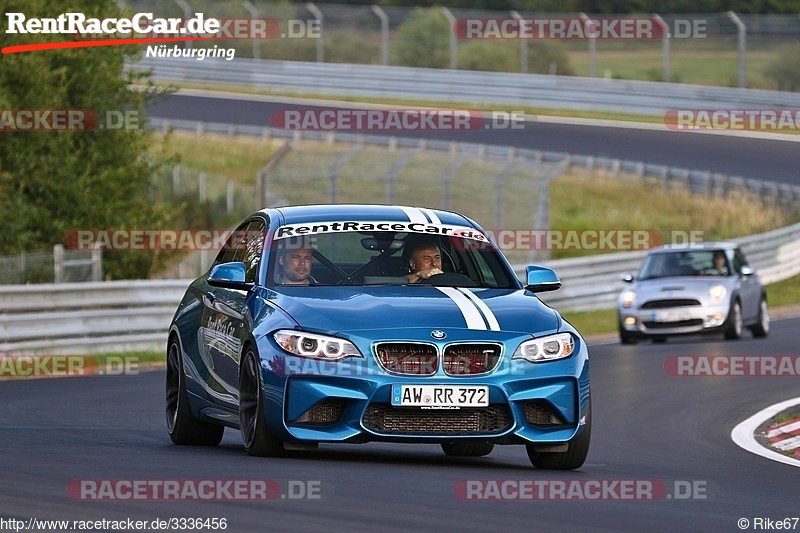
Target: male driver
column 425, row 261
column 296, row 264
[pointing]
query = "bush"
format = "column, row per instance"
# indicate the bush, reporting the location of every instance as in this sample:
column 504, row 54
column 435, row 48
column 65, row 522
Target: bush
column 422, row 40
column 785, row 69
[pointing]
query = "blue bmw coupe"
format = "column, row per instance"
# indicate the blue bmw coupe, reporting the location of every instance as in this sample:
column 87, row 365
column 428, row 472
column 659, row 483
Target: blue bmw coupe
column 359, row 323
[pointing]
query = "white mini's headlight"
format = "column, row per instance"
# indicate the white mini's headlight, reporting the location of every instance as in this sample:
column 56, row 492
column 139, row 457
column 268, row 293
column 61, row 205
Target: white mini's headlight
column 717, row 293
column 548, row 348
column 627, row 298
column 315, row 346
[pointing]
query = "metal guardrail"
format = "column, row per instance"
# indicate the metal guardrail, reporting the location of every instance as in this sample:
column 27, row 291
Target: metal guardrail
column 463, row 86
column 81, row 318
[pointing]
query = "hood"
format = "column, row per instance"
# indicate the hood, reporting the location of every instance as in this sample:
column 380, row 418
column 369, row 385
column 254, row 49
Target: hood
column 350, row 309
column 688, row 287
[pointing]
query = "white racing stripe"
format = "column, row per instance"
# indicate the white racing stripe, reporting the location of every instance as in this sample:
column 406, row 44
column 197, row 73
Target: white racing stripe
column 431, row 215
column 480, row 304
column 414, row 215
column 470, row 312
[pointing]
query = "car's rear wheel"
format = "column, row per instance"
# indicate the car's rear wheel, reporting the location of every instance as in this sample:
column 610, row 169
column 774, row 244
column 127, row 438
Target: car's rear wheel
column 574, row 457
column 467, row 449
column 761, row 329
column 258, row 440
column 734, row 329
column 184, row 428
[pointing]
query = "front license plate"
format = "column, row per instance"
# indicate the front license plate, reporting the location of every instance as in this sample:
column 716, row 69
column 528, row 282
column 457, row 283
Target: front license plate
column 440, row 395
column 671, row 316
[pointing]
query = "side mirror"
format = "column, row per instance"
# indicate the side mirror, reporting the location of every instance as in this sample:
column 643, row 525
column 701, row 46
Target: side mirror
column 747, row 270
column 229, row 276
column 541, row 279
column 627, row 278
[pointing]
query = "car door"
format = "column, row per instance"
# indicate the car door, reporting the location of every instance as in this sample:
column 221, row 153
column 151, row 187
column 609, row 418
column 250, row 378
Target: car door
column 749, row 288
column 226, row 321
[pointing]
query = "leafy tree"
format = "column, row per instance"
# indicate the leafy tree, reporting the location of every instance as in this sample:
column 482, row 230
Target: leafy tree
column 422, row 40
column 52, row 182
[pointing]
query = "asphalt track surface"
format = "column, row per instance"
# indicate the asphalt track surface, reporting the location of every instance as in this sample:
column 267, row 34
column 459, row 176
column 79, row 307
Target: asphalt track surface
column 648, row 425
column 735, row 156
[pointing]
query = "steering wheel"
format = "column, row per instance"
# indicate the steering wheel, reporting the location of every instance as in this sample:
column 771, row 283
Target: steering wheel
column 449, row 279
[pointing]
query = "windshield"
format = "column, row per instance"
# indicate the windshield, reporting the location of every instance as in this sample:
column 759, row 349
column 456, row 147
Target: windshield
column 442, row 255
column 685, row 263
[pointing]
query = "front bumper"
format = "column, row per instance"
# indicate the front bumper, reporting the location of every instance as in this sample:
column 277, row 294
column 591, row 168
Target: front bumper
column 350, row 401
column 674, row 320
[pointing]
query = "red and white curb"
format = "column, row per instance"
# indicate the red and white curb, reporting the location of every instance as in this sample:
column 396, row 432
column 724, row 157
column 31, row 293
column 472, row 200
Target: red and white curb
column 743, row 435
column 785, row 437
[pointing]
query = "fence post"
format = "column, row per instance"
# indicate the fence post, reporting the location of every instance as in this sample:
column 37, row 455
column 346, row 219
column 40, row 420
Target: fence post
column 22, row 267
column 253, row 13
column 523, row 48
column 97, row 263
column 201, row 185
column 742, row 30
column 453, row 39
column 381, row 14
column 592, row 44
column 58, row 263
column 187, row 14
column 320, row 42
column 229, row 196
column 176, row 179
column 664, row 45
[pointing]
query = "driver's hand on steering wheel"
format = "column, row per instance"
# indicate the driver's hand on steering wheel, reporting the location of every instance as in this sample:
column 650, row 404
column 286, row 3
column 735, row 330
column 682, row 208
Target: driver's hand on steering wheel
column 416, row 277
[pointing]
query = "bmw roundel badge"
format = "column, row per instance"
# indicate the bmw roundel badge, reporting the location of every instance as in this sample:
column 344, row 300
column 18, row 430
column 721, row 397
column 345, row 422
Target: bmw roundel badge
column 438, row 334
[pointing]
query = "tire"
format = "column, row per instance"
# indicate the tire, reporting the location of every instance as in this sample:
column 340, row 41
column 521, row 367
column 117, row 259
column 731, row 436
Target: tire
column 761, row 329
column 734, row 328
column 661, row 339
column 574, row 457
column 258, row 440
column 467, row 449
column 183, row 428
column 625, row 337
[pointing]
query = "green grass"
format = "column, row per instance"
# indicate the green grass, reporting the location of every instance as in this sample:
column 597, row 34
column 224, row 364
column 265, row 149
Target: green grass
column 581, row 201
column 785, row 417
column 592, row 322
column 784, row 292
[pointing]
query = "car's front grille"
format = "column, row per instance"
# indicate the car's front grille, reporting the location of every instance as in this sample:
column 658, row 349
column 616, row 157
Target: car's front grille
column 383, row 418
column 670, row 325
column 469, row 359
column 410, row 358
column 665, row 304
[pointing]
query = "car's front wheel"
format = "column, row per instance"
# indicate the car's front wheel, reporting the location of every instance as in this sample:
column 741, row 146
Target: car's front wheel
column 467, row 449
column 184, row 428
column 734, row 329
column 258, row 440
column 574, row 457
column 761, row 329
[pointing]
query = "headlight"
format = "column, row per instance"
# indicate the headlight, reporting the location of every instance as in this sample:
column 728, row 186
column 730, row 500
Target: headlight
column 627, row 298
column 548, row 348
column 717, row 292
column 315, row 346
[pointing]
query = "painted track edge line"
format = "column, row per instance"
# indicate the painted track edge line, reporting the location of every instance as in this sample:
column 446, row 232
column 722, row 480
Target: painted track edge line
column 742, row 434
